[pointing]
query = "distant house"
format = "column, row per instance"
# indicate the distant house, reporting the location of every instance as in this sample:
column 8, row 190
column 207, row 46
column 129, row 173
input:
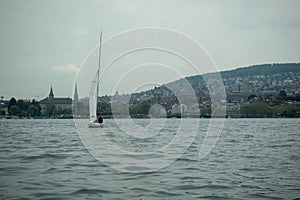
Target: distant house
column 60, row 103
column 145, row 97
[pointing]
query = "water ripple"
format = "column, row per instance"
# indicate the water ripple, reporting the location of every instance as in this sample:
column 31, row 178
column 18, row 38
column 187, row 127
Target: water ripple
column 253, row 159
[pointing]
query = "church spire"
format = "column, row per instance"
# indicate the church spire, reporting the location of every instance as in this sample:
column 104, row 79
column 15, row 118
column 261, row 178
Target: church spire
column 75, row 101
column 75, row 93
column 51, row 94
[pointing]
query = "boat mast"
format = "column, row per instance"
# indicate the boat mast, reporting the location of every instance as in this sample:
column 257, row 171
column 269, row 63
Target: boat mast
column 98, row 72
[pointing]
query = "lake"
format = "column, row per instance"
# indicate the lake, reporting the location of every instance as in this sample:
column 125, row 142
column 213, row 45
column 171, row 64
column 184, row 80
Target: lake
column 253, row 159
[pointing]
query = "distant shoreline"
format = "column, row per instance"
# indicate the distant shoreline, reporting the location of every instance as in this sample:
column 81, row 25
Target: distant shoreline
column 148, row 117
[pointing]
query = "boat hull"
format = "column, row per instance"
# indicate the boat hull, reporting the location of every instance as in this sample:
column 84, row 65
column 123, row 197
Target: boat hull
column 95, row 125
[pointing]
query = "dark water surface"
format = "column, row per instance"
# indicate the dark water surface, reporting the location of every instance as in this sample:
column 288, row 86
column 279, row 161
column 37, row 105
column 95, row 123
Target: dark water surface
column 253, row 159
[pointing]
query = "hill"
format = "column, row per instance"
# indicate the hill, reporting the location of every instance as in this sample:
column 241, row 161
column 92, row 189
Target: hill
column 264, row 69
column 265, row 78
column 267, row 90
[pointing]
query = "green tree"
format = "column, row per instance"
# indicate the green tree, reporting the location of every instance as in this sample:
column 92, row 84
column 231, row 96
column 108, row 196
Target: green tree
column 51, row 111
column 290, row 111
column 26, row 105
column 33, row 111
column 67, row 111
column 36, row 104
column 282, row 93
column 14, row 110
column 12, row 102
column 205, row 111
column 22, row 113
column 20, row 103
column 140, row 109
column 259, row 109
column 144, row 107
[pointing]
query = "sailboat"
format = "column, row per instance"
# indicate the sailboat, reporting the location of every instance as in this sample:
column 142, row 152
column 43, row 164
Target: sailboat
column 95, row 122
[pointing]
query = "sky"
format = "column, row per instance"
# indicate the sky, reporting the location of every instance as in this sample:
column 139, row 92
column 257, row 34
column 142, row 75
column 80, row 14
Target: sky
column 44, row 43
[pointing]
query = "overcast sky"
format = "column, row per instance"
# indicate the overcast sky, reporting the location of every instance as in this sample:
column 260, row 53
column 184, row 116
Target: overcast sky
column 43, row 43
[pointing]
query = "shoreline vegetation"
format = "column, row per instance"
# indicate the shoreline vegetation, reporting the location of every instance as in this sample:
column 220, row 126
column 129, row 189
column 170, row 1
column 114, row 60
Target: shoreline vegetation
column 258, row 91
column 26, row 109
column 288, row 108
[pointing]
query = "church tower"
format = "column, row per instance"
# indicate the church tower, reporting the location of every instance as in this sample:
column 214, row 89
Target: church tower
column 51, row 94
column 75, row 99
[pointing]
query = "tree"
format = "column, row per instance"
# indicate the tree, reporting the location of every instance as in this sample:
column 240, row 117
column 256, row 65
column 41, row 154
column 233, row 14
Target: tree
column 67, row 111
column 144, row 108
column 50, row 111
column 12, row 102
column 20, row 103
column 282, row 93
column 14, row 110
column 24, row 105
column 256, row 110
column 251, row 96
column 36, row 104
column 205, row 111
column 290, row 111
column 33, row 111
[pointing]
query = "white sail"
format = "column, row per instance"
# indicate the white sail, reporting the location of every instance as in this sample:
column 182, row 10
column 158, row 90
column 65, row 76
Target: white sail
column 93, row 98
column 94, row 91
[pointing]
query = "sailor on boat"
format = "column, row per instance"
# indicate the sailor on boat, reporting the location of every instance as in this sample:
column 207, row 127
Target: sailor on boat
column 96, row 123
column 100, row 119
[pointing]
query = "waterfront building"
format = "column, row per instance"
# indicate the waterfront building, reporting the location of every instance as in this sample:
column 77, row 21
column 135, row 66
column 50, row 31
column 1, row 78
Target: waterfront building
column 59, row 103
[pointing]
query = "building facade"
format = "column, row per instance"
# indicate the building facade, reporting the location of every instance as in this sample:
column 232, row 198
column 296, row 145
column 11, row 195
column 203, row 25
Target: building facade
column 59, row 103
